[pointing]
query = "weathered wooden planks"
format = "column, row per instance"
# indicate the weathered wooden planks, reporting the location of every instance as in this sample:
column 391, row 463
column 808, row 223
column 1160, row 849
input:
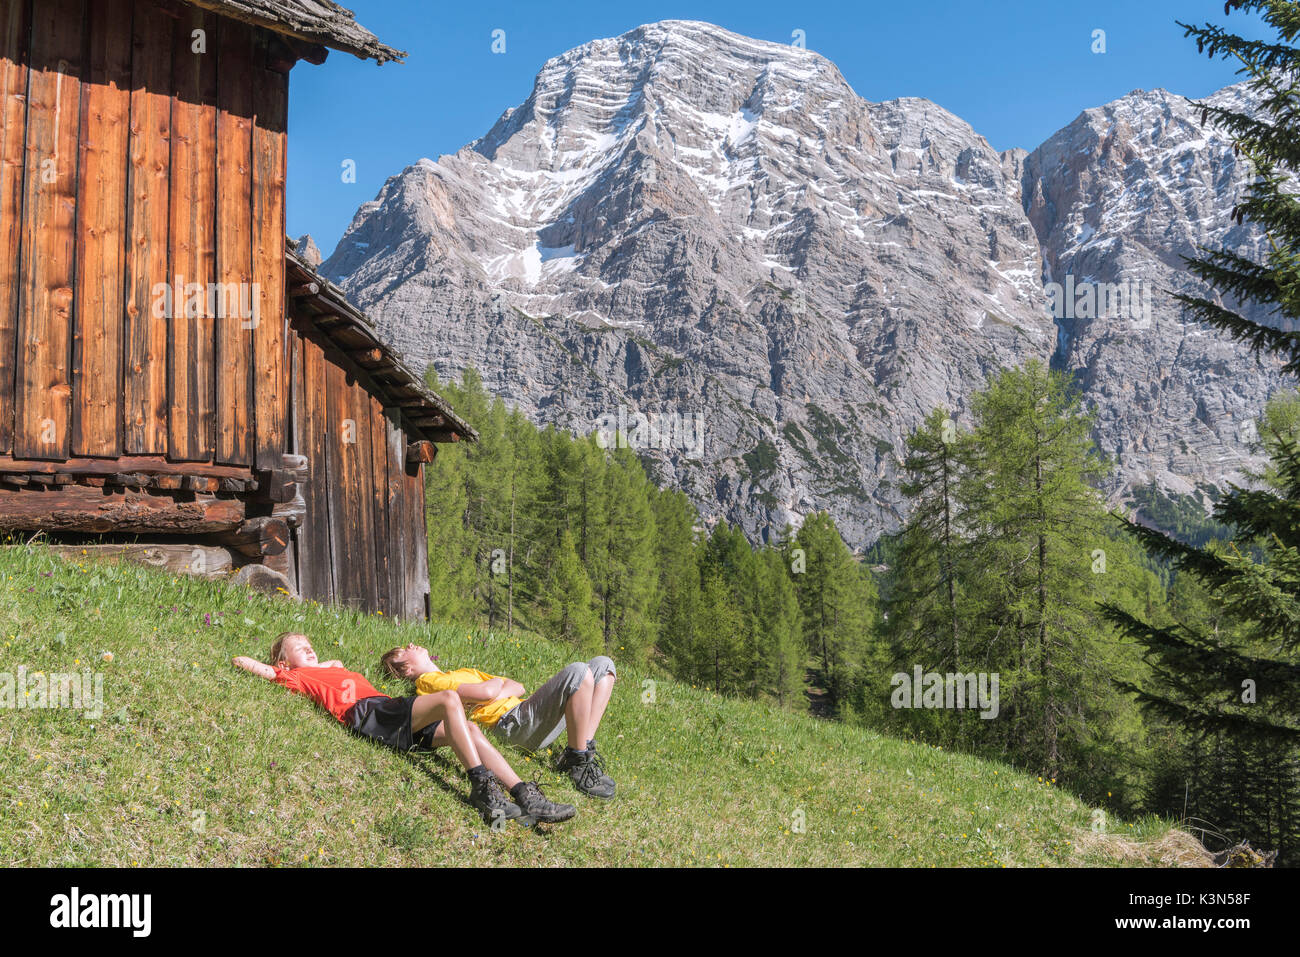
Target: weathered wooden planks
column 342, row 484
column 362, row 538
column 323, row 465
column 399, row 526
column 294, row 511
column 314, row 555
column 234, row 333
column 406, row 512
column 15, row 35
column 101, row 233
column 144, row 392
column 42, row 388
column 417, row 566
column 380, row 532
column 191, row 347
column 270, row 107
column 355, row 483
column 363, row 515
column 166, row 169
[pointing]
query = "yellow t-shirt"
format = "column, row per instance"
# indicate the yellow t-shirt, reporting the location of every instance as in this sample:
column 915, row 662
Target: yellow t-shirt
column 486, row 714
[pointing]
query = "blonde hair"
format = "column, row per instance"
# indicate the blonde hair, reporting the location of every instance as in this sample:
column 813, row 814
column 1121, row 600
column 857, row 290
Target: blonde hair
column 389, row 665
column 277, row 648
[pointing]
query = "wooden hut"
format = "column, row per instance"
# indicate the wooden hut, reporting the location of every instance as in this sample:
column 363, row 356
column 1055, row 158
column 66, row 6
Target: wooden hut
column 175, row 382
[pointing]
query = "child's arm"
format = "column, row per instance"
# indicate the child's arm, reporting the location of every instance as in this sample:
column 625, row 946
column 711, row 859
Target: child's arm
column 488, row 690
column 332, row 663
column 255, row 667
column 491, row 689
column 512, row 689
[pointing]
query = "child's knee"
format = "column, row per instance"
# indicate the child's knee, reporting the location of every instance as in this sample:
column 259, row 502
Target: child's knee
column 603, row 666
column 446, row 699
column 577, row 674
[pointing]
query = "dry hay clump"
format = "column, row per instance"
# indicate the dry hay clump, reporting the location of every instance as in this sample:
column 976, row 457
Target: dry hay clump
column 1174, row 848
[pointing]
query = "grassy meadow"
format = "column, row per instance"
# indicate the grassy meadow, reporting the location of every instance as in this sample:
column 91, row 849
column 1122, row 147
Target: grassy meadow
column 192, row 762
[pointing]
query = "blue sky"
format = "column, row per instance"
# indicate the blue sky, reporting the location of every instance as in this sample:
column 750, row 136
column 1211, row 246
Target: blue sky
column 1016, row 70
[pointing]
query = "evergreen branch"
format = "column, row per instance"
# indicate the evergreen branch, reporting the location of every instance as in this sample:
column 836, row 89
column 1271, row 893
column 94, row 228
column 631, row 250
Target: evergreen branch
column 1259, row 338
column 1242, row 278
column 1261, row 513
column 1205, row 658
column 1211, row 722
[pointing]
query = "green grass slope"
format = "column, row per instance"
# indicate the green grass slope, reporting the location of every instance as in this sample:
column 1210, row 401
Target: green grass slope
column 193, row 762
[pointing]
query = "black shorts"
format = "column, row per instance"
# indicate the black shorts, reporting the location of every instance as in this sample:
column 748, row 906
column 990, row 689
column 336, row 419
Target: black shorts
column 388, row 721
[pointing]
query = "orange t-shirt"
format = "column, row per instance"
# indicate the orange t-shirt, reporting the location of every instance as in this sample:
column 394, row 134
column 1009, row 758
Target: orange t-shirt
column 334, row 689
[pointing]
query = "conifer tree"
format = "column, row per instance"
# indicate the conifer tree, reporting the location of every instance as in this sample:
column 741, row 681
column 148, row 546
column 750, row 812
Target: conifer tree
column 629, row 588
column 679, row 579
column 1037, row 522
column 567, row 601
column 1231, row 680
column 923, row 609
column 719, row 661
column 1200, row 669
column 728, row 558
column 779, row 669
column 838, row 603
column 451, row 546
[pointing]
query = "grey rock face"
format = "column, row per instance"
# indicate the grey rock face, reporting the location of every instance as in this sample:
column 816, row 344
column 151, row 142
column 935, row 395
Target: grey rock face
column 1119, row 197
column 685, row 222
column 308, row 250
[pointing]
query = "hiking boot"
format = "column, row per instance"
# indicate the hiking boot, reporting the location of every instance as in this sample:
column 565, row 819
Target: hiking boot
column 587, row 771
column 487, row 795
column 535, row 806
column 570, row 757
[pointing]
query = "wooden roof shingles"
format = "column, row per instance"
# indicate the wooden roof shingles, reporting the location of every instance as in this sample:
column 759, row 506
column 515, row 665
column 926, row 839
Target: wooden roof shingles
column 315, row 21
column 323, row 305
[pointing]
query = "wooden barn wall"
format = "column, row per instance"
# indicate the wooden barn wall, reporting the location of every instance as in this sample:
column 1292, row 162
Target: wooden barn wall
column 362, row 542
column 109, row 186
column 134, row 155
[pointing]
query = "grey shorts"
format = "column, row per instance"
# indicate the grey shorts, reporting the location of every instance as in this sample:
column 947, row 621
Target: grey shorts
column 538, row 720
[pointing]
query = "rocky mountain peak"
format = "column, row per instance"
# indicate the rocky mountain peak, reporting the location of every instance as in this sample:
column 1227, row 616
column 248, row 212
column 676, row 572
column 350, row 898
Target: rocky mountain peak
column 682, row 220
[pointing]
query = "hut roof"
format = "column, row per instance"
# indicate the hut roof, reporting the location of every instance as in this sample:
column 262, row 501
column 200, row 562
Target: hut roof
column 323, row 305
column 315, row 21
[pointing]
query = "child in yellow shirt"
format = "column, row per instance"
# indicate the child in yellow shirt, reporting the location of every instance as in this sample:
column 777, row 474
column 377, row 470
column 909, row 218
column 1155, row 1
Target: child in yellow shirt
column 575, row 699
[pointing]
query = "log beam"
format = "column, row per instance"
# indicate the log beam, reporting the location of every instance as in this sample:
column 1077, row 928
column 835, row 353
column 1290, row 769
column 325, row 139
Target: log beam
column 422, row 451
column 81, row 508
column 294, row 512
column 148, row 464
column 259, row 537
column 205, row 561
